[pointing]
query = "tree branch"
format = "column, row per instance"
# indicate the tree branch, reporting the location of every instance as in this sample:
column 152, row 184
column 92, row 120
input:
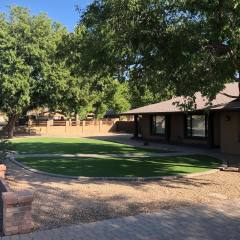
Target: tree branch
column 223, row 49
column 228, row 95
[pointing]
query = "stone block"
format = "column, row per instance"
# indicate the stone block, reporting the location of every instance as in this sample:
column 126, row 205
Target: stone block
column 9, row 198
column 17, row 216
column 25, row 197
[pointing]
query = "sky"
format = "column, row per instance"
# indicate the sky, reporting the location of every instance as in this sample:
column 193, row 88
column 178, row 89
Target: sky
column 62, row 11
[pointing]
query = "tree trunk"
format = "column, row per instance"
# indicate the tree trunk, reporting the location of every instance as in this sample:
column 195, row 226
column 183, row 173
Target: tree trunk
column 11, row 125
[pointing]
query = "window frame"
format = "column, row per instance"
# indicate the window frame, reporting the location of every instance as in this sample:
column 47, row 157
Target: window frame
column 153, row 125
column 191, row 130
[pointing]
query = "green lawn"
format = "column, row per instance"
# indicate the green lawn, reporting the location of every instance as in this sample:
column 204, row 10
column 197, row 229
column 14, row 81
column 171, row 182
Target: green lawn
column 123, row 167
column 108, row 166
column 74, row 145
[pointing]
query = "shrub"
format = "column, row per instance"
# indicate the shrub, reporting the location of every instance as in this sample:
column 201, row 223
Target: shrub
column 5, row 147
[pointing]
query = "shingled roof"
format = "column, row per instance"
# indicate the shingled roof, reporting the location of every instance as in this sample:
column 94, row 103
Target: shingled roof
column 221, row 101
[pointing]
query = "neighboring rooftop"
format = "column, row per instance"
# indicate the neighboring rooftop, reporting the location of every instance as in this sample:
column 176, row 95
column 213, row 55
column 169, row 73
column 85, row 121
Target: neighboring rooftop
column 222, row 101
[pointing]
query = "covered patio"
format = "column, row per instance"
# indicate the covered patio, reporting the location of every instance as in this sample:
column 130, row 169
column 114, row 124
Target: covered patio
column 207, row 125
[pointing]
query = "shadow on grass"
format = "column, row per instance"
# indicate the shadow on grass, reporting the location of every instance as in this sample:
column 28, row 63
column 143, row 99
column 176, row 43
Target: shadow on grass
column 92, row 146
column 122, row 167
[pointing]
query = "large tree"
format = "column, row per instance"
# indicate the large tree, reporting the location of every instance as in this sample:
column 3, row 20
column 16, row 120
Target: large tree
column 162, row 47
column 105, row 92
column 31, row 73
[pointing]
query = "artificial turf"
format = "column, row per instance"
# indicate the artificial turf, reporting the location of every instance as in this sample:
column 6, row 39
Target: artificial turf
column 75, row 145
column 122, row 167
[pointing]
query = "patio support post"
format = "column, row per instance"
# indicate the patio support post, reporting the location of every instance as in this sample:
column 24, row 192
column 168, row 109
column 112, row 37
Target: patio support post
column 210, row 130
column 135, row 126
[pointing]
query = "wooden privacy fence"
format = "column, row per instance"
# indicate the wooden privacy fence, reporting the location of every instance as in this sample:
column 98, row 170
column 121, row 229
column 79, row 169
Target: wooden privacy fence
column 38, row 123
column 71, row 127
column 59, row 123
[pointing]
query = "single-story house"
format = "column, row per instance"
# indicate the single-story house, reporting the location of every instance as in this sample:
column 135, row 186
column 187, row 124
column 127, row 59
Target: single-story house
column 214, row 125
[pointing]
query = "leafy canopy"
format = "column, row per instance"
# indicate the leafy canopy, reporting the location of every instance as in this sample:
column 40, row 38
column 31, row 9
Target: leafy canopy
column 80, row 51
column 164, row 48
column 32, row 72
column 30, row 76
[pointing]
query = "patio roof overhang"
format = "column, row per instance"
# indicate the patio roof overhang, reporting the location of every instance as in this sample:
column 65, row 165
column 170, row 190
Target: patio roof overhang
column 222, row 102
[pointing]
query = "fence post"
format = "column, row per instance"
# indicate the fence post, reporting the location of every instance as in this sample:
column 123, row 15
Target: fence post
column 67, row 124
column 48, row 126
column 29, row 123
column 83, row 125
column 50, row 122
column 77, row 120
column 100, row 125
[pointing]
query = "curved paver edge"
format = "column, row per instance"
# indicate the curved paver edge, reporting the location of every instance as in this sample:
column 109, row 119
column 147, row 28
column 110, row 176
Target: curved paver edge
column 170, row 177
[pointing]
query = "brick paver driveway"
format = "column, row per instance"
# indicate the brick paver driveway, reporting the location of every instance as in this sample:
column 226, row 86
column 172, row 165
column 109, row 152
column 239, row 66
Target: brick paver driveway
column 221, row 221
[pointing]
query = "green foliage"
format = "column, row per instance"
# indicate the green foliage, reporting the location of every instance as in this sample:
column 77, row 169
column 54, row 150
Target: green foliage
column 120, row 101
column 164, row 48
column 29, row 72
column 110, row 94
column 123, row 53
column 42, row 65
column 97, row 85
column 32, row 73
column 5, row 147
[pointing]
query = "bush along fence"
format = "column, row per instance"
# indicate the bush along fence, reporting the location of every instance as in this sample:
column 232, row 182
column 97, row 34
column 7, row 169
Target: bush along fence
column 15, row 207
column 73, row 127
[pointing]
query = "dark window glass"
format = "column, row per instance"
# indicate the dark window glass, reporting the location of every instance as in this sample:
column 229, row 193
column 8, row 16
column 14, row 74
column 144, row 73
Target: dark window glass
column 196, row 126
column 158, row 125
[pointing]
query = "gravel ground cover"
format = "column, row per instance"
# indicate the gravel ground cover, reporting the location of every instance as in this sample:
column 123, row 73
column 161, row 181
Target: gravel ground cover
column 60, row 202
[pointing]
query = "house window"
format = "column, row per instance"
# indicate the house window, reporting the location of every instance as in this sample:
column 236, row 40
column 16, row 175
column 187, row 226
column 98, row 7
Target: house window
column 196, row 126
column 158, row 125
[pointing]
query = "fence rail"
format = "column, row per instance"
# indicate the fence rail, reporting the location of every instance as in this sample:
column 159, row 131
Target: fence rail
column 72, row 127
column 39, row 123
column 70, row 123
column 59, row 123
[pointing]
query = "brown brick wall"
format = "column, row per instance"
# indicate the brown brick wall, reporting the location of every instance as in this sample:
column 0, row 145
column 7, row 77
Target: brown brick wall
column 16, row 210
column 17, row 217
column 176, row 130
column 230, row 132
